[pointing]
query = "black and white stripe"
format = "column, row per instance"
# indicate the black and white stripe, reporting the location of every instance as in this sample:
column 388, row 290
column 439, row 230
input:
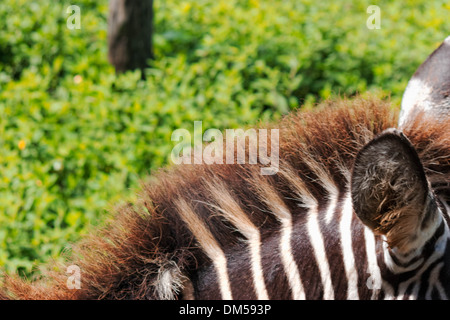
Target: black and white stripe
column 366, row 276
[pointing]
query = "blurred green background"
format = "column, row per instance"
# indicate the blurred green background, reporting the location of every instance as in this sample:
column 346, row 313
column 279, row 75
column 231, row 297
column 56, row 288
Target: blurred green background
column 75, row 138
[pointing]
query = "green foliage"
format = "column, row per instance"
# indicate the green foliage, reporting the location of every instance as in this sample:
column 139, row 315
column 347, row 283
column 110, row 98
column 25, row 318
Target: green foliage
column 75, row 138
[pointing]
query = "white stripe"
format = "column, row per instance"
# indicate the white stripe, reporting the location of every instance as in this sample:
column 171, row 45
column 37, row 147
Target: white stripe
column 347, row 250
column 229, row 208
column 388, row 291
column 258, row 276
column 374, row 282
column 416, row 97
column 282, row 213
column 208, row 244
column 331, row 207
column 435, row 283
column 220, row 264
column 240, row 220
column 326, row 181
column 319, row 251
column 441, row 290
column 415, row 291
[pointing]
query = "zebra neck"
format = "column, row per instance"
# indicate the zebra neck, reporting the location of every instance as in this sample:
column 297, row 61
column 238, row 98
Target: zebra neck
column 432, row 249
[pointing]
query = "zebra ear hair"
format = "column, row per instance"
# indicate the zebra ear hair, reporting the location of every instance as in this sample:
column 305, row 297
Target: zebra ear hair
column 389, row 188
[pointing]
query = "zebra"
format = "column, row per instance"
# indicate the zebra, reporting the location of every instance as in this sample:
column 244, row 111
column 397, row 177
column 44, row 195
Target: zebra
column 359, row 209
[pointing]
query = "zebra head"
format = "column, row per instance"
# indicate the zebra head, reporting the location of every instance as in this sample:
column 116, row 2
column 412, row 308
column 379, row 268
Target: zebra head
column 392, row 166
column 399, row 198
column 429, row 88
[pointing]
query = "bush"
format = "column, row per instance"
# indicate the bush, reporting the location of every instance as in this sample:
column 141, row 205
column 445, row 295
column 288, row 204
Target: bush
column 75, row 138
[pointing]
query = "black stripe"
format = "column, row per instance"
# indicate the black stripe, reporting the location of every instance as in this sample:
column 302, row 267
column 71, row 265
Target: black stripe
column 304, row 257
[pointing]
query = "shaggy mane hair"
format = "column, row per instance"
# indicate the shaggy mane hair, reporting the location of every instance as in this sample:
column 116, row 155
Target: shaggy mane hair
column 146, row 250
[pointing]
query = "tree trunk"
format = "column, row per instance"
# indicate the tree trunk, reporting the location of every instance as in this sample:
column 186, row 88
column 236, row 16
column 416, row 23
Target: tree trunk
column 130, row 28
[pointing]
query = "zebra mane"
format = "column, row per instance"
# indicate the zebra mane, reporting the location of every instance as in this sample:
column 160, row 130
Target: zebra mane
column 147, row 249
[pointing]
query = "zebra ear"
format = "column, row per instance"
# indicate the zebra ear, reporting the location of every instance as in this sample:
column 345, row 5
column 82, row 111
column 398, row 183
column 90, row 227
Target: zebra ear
column 389, row 188
column 429, row 88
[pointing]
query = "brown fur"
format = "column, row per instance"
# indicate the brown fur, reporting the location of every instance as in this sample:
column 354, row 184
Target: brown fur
column 123, row 259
